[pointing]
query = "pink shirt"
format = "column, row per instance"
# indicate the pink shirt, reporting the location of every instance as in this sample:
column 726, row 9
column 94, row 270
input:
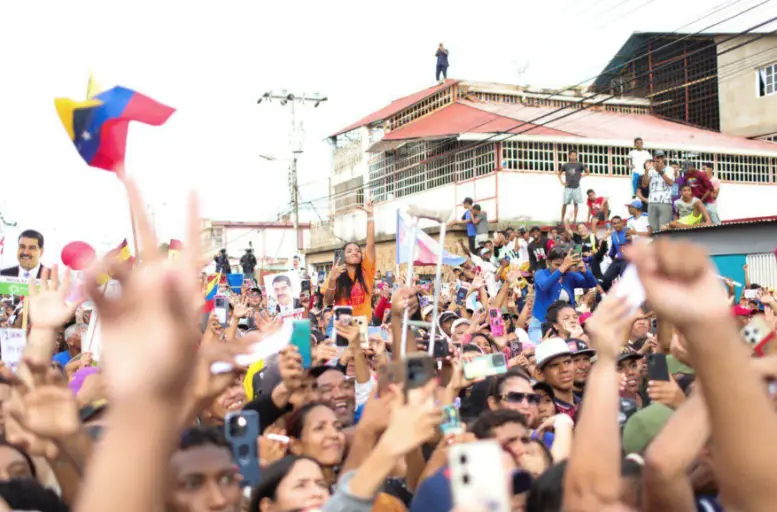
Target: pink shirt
column 715, row 185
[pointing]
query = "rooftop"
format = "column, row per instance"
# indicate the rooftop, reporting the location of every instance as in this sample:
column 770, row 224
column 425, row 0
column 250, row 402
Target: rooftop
column 478, row 118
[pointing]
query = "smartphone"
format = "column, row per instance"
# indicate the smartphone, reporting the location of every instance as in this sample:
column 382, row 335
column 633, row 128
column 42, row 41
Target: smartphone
column 304, row 285
column 412, row 372
column 300, row 337
column 496, row 321
column 220, row 308
column 751, row 294
column 363, row 324
column 339, row 257
column 478, row 477
column 390, row 279
column 485, row 366
column 758, row 334
column 241, row 429
column 451, row 420
column 461, row 296
column 344, row 313
column 578, row 250
column 657, row 368
column 441, row 348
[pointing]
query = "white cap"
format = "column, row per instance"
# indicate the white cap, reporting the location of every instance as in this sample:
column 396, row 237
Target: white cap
column 550, row 349
column 458, row 322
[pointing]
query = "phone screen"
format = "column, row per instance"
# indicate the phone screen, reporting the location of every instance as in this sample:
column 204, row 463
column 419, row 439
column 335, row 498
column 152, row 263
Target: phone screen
column 339, row 256
column 300, row 337
column 220, row 308
column 344, row 313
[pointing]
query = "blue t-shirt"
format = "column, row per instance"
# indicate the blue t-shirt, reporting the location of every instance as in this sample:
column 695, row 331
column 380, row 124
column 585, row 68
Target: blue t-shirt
column 442, row 58
column 62, row 358
column 470, row 227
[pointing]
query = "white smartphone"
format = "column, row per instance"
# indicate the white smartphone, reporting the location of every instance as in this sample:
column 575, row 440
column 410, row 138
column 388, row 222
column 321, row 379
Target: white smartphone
column 630, row 288
column 759, row 334
column 478, row 478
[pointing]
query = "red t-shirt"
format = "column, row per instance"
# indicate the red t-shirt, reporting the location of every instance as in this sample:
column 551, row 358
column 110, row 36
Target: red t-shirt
column 596, row 205
column 700, row 183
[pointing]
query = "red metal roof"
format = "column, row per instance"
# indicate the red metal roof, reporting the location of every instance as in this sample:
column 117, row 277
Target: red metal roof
column 726, row 223
column 396, row 106
column 463, row 117
column 614, row 125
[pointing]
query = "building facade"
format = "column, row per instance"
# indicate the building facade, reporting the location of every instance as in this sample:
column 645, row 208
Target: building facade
column 502, row 146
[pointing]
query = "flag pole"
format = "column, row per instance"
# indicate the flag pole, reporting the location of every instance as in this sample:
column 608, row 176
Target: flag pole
column 121, row 173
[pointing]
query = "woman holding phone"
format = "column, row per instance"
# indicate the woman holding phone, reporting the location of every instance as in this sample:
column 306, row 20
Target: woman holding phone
column 351, row 281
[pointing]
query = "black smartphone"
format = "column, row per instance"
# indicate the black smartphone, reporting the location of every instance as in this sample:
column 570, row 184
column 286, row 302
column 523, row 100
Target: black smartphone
column 241, row 429
column 390, row 279
column 657, row 368
column 305, row 285
column 440, row 349
column 344, row 313
column 339, row 257
column 461, row 296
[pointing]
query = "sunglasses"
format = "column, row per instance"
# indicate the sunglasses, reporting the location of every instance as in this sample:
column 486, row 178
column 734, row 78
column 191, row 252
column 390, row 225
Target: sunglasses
column 514, row 397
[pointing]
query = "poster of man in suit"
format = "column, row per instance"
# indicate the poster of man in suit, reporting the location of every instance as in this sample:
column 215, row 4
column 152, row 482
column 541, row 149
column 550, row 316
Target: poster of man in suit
column 28, row 256
column 284, row 290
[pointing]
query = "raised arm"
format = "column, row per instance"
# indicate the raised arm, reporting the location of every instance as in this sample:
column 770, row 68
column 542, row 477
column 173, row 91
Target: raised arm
column 596, row 458
column 370, row 209
column 734, row 394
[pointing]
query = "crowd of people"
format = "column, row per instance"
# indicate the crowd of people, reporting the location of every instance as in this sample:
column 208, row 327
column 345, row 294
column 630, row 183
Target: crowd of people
column 575, row 418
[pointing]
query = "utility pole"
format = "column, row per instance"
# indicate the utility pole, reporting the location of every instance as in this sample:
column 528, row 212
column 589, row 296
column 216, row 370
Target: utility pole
column 296, row 139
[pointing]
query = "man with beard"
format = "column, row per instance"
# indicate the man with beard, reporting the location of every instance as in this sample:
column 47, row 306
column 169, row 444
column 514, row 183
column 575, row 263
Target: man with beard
column 337, row 391
column 581, row 357
column 556, row 368
column 203, row 474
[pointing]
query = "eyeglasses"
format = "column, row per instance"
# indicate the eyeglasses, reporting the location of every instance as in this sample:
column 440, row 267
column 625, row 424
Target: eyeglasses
column 514, row 397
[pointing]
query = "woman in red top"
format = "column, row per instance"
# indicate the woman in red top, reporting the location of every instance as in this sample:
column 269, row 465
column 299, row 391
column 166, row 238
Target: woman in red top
column 350, row 282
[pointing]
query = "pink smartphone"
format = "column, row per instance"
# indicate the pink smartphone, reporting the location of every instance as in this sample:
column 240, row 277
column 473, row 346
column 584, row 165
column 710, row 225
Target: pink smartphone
column 496, row 322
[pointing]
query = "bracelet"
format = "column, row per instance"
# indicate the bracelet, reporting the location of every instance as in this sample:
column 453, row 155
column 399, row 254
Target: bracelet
column 370, row 219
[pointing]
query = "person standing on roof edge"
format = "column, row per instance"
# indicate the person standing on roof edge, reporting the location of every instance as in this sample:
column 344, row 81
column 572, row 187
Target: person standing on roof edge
column 572, row 171
column 637, row 158
column 442, row 63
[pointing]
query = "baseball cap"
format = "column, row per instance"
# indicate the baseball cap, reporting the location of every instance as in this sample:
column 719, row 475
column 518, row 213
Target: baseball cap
column 459, row 322
column 434, row 493
column 635, row 204
column 484, row 250
column 741, row 311
column 550, row 349
column 447, row 315
column 643, row 426
column 659, row 154
column 581, row 348
column 427, row 310
column 627, row 355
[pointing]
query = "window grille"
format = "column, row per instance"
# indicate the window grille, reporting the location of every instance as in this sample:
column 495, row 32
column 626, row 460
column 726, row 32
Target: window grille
column 767, row 80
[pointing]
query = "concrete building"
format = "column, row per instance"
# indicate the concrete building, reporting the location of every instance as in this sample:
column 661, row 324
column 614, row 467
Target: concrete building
column 273, row 241
column 502, row 145
column 722, row 82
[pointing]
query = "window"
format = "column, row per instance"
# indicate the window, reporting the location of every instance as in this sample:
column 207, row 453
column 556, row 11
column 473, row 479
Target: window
column 767, row 80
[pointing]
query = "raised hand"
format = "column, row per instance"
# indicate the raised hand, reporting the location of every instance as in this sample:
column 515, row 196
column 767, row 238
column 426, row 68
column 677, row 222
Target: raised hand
column 49, row 308
column 338, row 269
column 413, row 423
column 610, row 325
column 242, row 309
column 270, row 448
column 150, row 331
column 369, row 207
column 290, row 366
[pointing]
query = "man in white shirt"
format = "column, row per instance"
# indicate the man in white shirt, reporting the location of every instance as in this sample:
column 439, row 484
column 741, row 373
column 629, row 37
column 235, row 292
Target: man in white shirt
column 637, row 159
column 660, row 180
column 637, row 225
column 487, row 269
column 522, row 245
column 28, row 255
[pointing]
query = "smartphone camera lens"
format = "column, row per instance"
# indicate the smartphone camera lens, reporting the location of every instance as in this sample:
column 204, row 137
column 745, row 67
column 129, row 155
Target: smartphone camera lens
column 237, row 426
column 465, row 479
column 462, row 459
column 243, row 450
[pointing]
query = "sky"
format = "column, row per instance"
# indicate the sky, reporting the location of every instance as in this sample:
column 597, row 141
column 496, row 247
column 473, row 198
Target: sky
column 212, row 60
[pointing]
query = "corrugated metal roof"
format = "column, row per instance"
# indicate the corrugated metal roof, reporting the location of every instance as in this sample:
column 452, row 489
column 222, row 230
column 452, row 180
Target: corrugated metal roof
column 396, row 106
column 462, row 117
column 655, row 131
column 727, row 223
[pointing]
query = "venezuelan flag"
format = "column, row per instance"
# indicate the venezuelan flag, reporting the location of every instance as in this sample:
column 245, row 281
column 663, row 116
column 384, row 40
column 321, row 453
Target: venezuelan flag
column 120, row 254
column 211, row 289
column 98, row 126
column 174, row 249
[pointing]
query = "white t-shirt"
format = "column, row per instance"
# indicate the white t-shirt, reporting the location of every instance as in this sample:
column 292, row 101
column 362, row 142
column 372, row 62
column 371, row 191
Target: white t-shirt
column 523, row 250
column 638, row 157
column 660, row 192
column 639, row 224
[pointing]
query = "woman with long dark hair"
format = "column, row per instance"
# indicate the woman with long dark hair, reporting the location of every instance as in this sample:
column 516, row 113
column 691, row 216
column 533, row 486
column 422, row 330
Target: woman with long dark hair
column 351, row 281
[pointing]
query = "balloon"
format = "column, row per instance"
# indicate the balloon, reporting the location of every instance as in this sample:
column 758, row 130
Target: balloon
column 78, row 255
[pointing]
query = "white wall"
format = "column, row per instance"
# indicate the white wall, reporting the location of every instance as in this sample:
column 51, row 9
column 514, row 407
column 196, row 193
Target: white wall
column 536, row 197
column 275, row 243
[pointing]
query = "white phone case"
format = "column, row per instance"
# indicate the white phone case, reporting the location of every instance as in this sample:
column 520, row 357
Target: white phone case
column 478, row 478
column 630, row 288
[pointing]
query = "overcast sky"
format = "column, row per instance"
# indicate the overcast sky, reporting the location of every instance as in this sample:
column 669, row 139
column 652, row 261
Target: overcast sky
column 212, row 60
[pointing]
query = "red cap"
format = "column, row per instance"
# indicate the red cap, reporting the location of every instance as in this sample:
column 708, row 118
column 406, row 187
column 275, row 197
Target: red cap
column 741, row 311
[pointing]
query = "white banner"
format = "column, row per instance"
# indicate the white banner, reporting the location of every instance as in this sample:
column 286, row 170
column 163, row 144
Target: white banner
column 12, row 343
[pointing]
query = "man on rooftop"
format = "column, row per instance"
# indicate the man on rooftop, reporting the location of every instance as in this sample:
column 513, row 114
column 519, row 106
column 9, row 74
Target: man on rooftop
column 442, row 63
